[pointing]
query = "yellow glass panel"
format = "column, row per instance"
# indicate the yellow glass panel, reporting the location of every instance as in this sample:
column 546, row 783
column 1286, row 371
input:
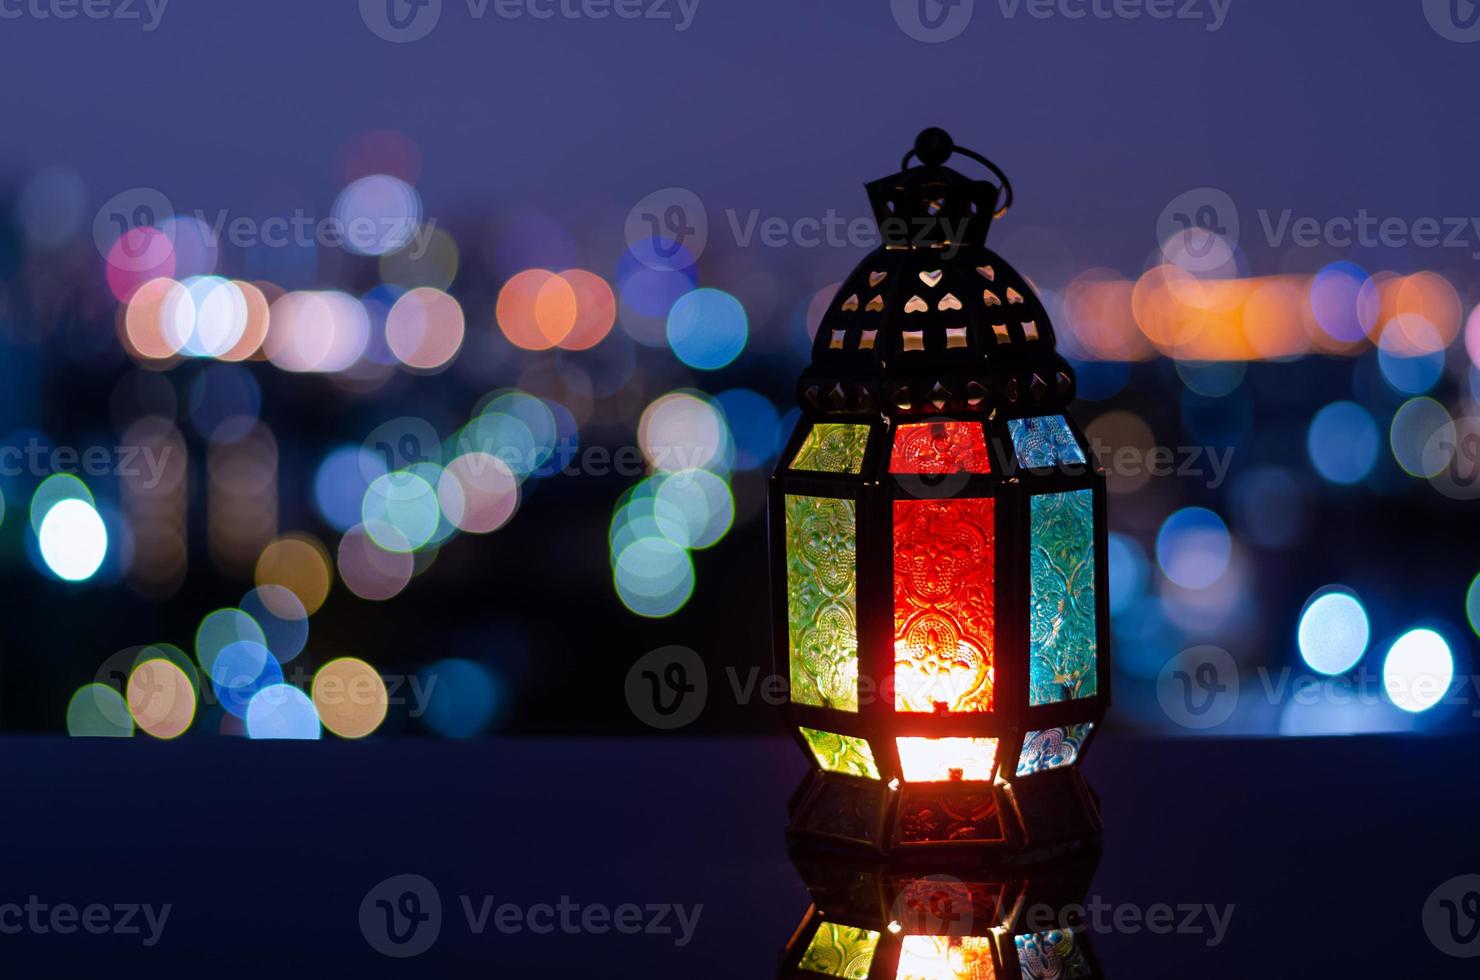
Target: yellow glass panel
column 840, row 951
column 940, row 760
column 832, row 447
column 946, row 958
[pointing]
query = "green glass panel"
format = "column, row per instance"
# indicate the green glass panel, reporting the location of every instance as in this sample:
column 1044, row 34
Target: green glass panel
column 822, row 601
column 832, row 447
column 1062, row 632
column 840, row 951
column 842, row 753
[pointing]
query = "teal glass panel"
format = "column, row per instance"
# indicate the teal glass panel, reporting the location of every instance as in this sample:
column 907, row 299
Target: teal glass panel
column 1061, row 639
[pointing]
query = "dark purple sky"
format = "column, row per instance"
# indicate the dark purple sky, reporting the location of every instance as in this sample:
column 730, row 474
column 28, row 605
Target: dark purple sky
column 1325, row 106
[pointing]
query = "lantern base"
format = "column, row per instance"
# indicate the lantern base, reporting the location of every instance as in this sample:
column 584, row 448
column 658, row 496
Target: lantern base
column 1029, row 820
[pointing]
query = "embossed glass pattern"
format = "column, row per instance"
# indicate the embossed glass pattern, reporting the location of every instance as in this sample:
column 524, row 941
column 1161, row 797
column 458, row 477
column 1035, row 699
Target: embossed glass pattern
column 1061, row 654
column 1052, row 748
column 1044, row 442
column 939, row 760
column 944, row 606
column 841, row 753
column 832, row 447
column 938, row 448
column 946, row 958
column 822, row 601
column 1055, row 955
column 840, row 951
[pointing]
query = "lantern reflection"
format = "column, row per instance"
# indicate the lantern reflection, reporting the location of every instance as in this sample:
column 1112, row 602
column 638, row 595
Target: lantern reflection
column 874, row 921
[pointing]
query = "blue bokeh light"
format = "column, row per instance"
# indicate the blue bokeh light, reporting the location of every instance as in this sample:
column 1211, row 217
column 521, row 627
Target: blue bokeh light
column 707, row 329
column 1343, row 442
column 1333, row 631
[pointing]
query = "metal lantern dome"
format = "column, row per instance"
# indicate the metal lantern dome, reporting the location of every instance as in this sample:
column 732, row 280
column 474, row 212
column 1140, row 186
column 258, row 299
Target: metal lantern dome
column 938, row 544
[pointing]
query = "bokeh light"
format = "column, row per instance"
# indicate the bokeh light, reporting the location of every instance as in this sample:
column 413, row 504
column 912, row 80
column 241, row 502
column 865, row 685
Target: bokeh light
column 425, row 329
column 299, row 564
column 281, row 711
column 707, row 329
column 378, row 214
column 98, row 711
column 462, row 697
column 1193, row 547
column 350, row 697
column 161, row 698
column 1343, row 442
column 1333, row 631
column 73, row 540
column 1418, row 670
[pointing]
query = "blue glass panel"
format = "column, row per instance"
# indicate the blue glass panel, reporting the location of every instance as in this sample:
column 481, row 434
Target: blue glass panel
column 1052, row 748
column 1044, row 442
column 1062, row 662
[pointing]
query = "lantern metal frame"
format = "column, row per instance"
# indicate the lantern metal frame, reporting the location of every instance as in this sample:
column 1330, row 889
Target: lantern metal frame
column 959, row 366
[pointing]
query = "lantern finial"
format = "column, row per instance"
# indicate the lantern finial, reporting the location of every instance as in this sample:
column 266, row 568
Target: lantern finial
column 934, row 146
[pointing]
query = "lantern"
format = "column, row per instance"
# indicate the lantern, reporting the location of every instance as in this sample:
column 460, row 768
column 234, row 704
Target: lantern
column 878, row 921
column 938, row 544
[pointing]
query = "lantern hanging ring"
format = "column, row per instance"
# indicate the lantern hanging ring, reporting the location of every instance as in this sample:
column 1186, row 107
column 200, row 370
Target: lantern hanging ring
column 934, row 146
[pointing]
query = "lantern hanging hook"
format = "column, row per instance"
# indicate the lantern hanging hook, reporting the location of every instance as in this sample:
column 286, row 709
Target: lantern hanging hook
column 934, row 146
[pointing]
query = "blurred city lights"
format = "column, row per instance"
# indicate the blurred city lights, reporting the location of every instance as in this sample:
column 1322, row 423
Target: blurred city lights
column 73, row 540
column 1333, row 631
column 463, row 697
column 1418, row 670
column 707, row 328
column 1193, row 547
column 1343, row 442
column 350, row 697
column 281, row 711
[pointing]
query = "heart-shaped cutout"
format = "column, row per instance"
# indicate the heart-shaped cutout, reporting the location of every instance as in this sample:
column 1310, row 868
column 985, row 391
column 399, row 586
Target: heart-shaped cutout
column 931, row 279
column 990, row 298
column 874, row 305
column 987, row 272
column 851, row 303
column 949, row 302
column 874, row 278
column 1013, row 296
column 916, row 305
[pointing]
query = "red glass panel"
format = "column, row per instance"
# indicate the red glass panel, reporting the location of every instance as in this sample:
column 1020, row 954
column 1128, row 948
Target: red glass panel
column 944, row 610
column 940, row 448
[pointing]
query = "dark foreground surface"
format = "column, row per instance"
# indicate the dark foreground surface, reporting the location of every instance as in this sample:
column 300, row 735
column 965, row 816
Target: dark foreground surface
column 269, row 857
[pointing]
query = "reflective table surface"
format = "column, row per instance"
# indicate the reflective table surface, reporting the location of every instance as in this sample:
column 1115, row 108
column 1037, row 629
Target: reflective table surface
column 665, row 857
